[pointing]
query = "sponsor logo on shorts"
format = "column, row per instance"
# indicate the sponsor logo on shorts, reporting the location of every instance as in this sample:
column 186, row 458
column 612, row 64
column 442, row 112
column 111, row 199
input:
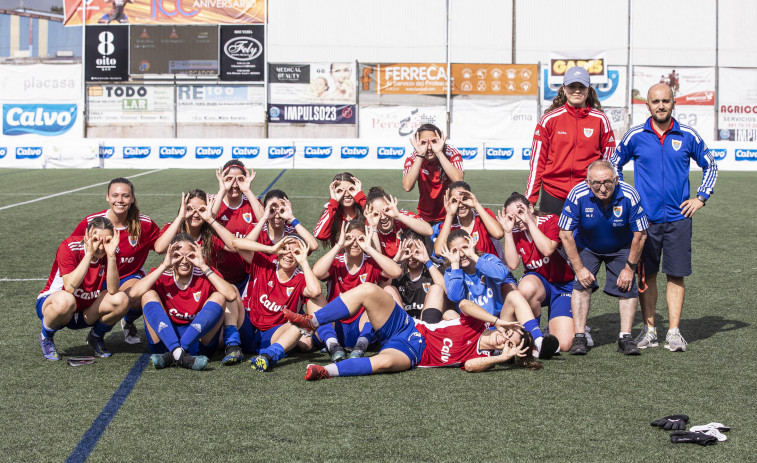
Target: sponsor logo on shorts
column 499, row 153
column 173, row 152
column 318, row 151
column 390, row 152
column 28, row 152
column 275, row 152
column 746, row 155
column 208, row 152
column 244, row 152
column 354, row 152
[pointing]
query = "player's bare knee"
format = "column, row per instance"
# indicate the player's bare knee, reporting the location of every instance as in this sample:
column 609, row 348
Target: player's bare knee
column 218, row 298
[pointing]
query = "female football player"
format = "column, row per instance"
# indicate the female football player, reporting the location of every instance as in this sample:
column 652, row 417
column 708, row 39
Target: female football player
column 73, row 296
column 137, row 239
column 382, row 214
column 346, row 203
column 183, row 302
column 485, row 280
column 351, row 262
column 407, row 343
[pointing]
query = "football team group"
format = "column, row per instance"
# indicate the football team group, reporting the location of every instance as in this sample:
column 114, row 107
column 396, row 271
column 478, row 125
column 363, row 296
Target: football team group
column 428, row 288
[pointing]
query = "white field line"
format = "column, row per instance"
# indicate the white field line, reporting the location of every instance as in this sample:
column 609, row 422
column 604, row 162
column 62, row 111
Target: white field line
column 71, row 191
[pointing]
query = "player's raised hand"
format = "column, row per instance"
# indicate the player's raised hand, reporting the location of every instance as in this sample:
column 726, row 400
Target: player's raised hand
column 452, row 256
column 451, row 203
column 421, row 147
column 110, row 243
column 355, row 187
column 300, row 252
column 342, row 242
column 285, row 210
column 332, row 190
column 437, row 145
column 506, row 220
column 195, row 256
column 391, row 209
column 420, row 252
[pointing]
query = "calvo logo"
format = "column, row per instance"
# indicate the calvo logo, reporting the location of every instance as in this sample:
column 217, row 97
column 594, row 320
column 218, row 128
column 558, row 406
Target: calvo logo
column 275, row 152
column 526, row 154
column 746, row 155
column 499, row 153
column 318, row 151
column 468, row 153
column 719, row 153
column 38, row 119
column 28, row 152
column 208, row 152
column 173, row 152
column 106, row 152
column 390, row 152
column 354, row 151
column 136, row 152
column 244, row 152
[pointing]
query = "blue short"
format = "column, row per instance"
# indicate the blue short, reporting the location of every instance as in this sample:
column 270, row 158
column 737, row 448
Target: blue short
column 615, row 262
column 77, row 320
column 242, row 284
column 399, row 333
column 139, row 275
column 674, row 240
column 558, row 296
column 253, row 339
column 197, row 348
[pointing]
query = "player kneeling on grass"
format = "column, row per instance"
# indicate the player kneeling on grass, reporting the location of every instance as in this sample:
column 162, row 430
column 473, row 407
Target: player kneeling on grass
column 485, row 280
column 407, row 343
column 280, row 277
column 183, row 302
column 73, row 296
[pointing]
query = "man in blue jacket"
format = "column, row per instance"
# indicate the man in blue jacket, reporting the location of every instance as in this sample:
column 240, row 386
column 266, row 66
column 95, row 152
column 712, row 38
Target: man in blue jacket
column 609, row 225
column 662, row 150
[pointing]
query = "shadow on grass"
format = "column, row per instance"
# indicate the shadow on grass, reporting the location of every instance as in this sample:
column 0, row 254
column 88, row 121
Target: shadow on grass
column 605, row 327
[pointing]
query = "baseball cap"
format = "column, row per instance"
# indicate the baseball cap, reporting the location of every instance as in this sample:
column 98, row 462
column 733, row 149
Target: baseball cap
column 576, row 74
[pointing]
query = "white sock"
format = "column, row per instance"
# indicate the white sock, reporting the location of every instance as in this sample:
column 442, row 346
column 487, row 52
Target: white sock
column 331, row 342
column 622, row 333
column 177, row 353
column 674, row 331
column 362, row 343
column 537, row 343
column 332, row 369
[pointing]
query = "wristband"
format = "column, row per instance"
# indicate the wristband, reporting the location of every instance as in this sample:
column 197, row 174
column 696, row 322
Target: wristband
column 429, row 264
column 294, row 222
column 208, row 271
column 211, row 223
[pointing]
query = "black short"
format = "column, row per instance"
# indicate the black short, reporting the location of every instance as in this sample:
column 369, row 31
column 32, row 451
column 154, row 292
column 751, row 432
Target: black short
column 548, row 204
column 615, row 262
column 672, row 239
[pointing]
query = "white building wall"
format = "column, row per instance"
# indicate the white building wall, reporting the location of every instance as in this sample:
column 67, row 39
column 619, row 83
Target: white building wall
column 738, row 34
column 481, row 31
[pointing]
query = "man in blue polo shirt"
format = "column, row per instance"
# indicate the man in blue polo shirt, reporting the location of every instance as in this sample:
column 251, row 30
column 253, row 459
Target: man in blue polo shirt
column 610, row 227
column 662, row 150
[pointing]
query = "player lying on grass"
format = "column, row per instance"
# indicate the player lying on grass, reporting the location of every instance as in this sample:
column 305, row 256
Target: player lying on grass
column 351, row 262
column 73, row 296
column 485, row 280
column 280, row 277
column 216, row 243
column 421, row 286
column 390, row 223
column 407, row 343
column 534, row 239
column 138, row 234
column 183, row 302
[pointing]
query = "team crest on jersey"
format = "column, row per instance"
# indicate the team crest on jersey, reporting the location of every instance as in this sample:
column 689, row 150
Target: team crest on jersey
column 247, row 217
column 474, row 235
column 197, row 296
column 363, row 277
column 676, row 144
column 290, row 291
column 588, row 132
column 133, row 240
column 426, row 287
column 617, row 211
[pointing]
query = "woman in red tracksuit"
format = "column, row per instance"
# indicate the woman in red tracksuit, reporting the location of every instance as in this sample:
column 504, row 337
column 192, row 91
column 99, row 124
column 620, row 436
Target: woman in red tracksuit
column 573, row 133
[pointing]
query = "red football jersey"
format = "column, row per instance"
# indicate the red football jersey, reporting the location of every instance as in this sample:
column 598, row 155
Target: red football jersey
column 70, row 254
column 240, row 220
column 266, row 294
column 231, row 266
column 431, row 185
column 451, row 342
column 322, row 229
column 183, row 305
column 390, row 242
column 132, row 252
column 341, row 280
column 554, row 268
column 481, row 237
column 265, row 238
